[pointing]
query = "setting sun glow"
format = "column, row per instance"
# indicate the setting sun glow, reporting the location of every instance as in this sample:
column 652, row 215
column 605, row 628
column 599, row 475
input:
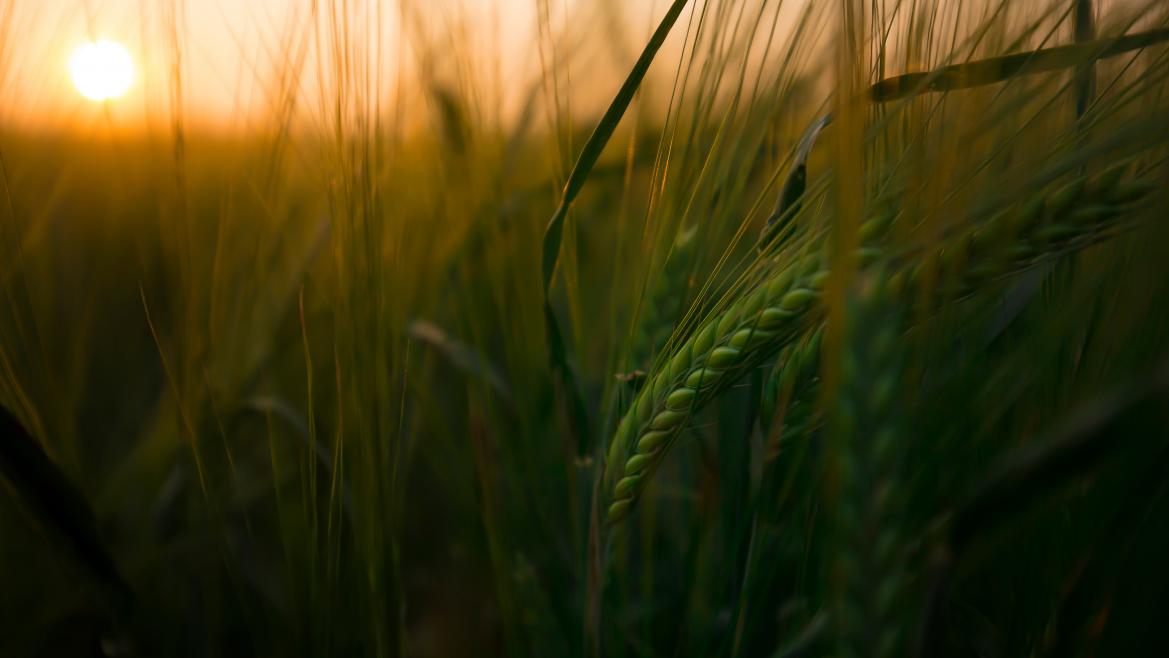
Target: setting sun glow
column 101, row 70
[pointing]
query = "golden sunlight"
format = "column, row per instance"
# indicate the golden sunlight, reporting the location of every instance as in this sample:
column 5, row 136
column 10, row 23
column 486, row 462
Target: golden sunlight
column 101, row 70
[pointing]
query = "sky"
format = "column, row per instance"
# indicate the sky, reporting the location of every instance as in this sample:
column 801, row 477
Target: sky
column 231, row 48
column 43, row 34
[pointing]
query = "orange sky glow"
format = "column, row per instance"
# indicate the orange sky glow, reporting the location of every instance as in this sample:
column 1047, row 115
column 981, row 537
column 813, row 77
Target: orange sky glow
column 232, row 52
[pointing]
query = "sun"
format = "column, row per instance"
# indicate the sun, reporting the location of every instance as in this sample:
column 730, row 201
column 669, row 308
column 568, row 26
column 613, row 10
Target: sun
column 101, row 70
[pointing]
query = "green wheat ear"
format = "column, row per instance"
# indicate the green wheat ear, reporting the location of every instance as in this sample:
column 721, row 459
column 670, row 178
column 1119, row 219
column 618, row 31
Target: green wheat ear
column 784, row 306
column 862, row 464
column 664, row 303
column 716, row 355
column 793, row 381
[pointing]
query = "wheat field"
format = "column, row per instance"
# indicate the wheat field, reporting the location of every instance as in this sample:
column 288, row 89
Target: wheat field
column 668, row 328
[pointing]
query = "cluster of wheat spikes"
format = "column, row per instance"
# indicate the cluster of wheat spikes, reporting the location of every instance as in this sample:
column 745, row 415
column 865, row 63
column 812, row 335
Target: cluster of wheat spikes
column 782, row 308
column 779, row 308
